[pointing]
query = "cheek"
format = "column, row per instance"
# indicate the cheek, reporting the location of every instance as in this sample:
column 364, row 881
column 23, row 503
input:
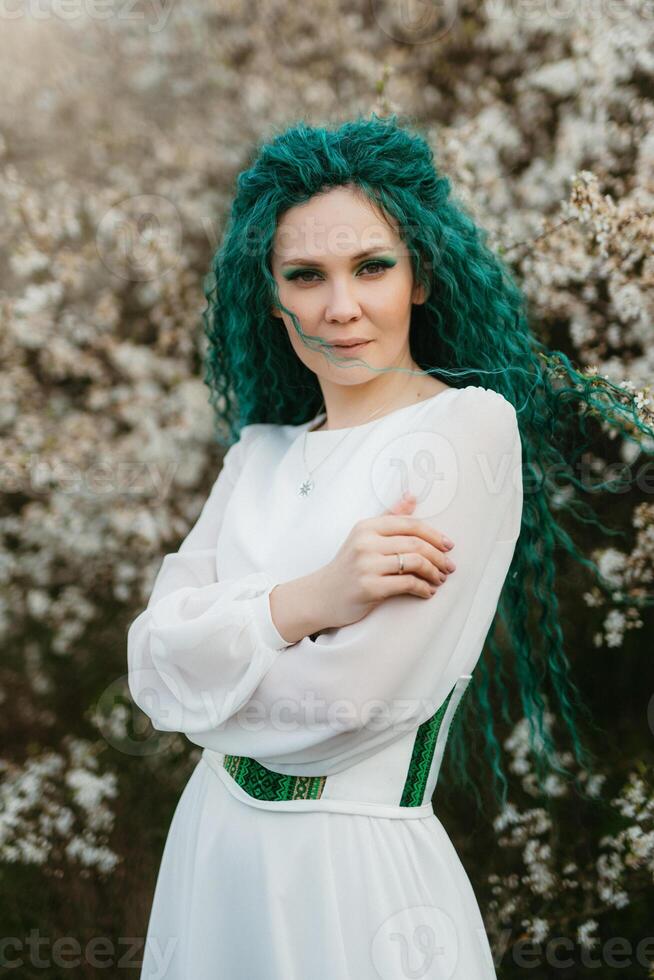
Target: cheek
column 304, row 303
column 392, row 301
column 306, row 354
column 309, row 312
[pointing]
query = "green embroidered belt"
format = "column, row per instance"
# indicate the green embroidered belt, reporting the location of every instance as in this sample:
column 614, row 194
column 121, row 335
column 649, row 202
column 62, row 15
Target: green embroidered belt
column 415, row 760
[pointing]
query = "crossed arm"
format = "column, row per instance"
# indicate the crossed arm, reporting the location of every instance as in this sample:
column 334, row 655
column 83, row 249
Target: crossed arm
column 205, row 657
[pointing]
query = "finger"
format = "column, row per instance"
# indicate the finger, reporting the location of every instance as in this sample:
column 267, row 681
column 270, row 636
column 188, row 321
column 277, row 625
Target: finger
column 417, row 552
column 405, row 504
column 399, row 524
column 409, row 585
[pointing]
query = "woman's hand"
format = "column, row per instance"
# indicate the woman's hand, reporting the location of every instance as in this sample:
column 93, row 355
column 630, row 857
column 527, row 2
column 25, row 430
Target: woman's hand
column 365, row 570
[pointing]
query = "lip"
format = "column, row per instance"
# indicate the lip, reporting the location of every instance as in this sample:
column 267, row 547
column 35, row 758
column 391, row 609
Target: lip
column 348, row 347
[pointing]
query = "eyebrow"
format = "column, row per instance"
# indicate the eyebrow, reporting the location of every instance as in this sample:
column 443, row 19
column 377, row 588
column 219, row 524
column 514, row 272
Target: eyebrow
column 354, row 258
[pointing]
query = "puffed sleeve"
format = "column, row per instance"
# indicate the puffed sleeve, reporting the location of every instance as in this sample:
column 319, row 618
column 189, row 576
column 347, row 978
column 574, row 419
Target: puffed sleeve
column 199, row 649
column 328, row 703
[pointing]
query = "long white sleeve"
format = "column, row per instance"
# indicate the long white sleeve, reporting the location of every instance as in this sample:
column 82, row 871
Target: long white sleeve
column 323, row 705
column 198, row 650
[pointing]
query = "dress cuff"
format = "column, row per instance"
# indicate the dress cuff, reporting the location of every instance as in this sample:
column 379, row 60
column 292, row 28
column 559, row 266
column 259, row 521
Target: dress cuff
column 263, row 616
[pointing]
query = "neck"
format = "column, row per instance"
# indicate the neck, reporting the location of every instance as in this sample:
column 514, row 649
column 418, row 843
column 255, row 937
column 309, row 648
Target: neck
column 348, row 405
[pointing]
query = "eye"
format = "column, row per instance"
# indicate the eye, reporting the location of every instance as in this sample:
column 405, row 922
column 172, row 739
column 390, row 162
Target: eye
column 376, row 262
column 301, row 273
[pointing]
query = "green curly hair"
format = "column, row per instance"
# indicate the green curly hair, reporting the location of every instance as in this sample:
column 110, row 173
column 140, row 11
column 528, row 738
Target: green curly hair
column 473, row 329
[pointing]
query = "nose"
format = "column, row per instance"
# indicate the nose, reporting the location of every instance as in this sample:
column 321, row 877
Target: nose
column 342, row 305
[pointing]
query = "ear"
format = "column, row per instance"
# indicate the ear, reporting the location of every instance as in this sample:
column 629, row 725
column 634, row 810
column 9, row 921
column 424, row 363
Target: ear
column 419, row 294
column 275, row 311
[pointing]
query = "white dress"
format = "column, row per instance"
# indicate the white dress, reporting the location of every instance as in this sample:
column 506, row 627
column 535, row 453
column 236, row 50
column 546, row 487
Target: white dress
column 304, row 845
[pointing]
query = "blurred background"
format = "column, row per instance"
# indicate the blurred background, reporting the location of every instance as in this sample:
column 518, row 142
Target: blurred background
column 122, row 129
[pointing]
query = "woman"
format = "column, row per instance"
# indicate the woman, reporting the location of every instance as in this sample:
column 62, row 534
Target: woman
column 320, row 623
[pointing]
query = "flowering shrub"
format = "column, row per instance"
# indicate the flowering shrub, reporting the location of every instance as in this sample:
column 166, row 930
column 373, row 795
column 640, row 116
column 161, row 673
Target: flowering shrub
column 55, row 809
column 564, row 884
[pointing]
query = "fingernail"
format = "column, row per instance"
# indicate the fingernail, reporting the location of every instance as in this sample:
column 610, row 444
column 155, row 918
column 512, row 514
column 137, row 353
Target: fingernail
column 447, row 542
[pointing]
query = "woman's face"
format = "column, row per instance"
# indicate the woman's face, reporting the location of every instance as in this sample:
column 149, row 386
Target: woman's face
column 337, row 293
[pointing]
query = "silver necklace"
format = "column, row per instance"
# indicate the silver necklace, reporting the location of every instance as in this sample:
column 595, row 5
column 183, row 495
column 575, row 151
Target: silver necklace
column 308, row 483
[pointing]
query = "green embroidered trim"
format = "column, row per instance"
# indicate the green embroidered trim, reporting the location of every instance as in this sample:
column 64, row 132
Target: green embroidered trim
column 264, row 784
column 422, row 755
